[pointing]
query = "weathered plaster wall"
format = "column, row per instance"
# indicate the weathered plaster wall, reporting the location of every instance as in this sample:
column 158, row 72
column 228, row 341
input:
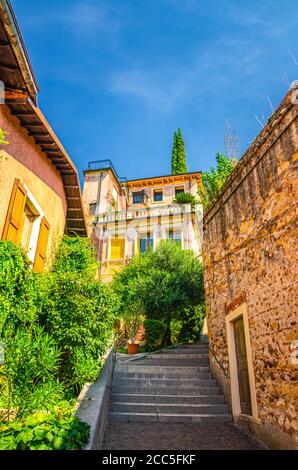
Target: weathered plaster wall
column 250, row 256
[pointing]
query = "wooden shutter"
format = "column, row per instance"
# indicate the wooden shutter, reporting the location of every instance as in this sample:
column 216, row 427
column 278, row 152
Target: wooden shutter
column 42, row 244
column 117, row 248
column 15, row 214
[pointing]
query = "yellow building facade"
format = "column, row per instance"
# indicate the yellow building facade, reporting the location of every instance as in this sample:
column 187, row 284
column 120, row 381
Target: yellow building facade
column 126, row 217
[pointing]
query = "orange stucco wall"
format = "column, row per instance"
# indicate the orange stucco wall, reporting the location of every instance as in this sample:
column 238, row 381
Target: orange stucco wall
column 23, row 159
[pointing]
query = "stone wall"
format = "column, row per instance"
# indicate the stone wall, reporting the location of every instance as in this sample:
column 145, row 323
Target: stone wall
column 250, row 256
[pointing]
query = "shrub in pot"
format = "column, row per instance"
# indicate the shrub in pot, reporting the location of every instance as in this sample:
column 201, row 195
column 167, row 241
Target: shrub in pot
column 133, row 320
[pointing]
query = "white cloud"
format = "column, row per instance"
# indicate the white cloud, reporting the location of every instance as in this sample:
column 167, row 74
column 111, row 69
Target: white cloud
column 83, row 17
column 170, row 86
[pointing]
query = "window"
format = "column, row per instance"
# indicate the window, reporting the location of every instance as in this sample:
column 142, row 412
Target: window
column 24, row 224
column 158, row 195
column 179, row 190
column 146, row 242
column 139, row 197
column 175, row 235
column 117, row 248
column 115, row 194
column 92, row 208
column 30, row 216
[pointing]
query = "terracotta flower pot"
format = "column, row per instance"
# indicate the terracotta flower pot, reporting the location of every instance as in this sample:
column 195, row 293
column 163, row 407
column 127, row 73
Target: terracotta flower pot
column 133, row 348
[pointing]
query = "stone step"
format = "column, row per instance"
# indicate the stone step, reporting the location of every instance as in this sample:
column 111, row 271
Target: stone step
column 177, row 383
column 155, row 390
column 192, row 346
column 174, row 355
column 189, row 352
column 171, row 408
column 148, row 398
column 168, row 418
column 161, row 375
column 136, row 367
column 172, row 362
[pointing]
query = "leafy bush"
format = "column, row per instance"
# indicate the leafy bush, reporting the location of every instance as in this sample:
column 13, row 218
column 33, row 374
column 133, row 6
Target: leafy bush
column 126, row 287
column 186, row 198
column 19, row 288
column 29, row 375
column 214, row 180
column 164, row 282
column 154, row 334
column 78, row 311
column 192, row 319
column 43, row 431
column 75, row 255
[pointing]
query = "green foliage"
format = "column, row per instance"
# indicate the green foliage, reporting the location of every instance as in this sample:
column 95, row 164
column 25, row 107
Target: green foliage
column 164, row 282
column 79, row 312
column 186, row 198
column 179, row 165
column 28, row 376
column 214, row 180
column 192, row 320
column 125, row 286
column 75, row 255
column 154, row 334
column 55, row 326
column 19, row 288
column 174, row 154
column 45, row 431
column 3, row 139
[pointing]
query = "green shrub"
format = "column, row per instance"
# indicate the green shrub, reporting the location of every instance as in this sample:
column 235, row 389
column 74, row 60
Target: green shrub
column 43, row 431
column 154, row 334
column 164, row 282
column 186, row 198
column 176, row 326
column 214, row 181
column 79, row 313
column 192, row 320
column 75, row 255
column 29, row 374
column 19, row 288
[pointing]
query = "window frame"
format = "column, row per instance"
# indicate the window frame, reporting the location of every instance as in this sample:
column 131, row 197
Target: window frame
column 142, row 196
column 180, row 189
column 158, row 191
column 148, row 237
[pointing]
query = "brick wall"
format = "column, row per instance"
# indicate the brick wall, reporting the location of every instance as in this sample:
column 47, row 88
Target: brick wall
column 250, row 256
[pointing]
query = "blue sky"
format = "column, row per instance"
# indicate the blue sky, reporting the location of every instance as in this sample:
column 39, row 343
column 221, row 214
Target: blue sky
column 117, row 77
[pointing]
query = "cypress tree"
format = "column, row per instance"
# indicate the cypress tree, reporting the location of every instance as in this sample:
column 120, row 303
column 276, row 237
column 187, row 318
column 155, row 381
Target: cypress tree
column 174, row 154
column 179, row 165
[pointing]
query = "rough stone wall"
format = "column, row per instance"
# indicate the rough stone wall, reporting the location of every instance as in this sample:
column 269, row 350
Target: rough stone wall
column 250, row 256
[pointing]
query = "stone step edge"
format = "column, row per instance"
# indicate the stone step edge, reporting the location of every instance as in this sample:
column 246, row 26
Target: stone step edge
column 179, row 405
column 157, row 395
column 193, row 415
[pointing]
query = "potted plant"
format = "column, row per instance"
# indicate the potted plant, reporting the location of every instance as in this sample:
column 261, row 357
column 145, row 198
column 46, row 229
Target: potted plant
column 133, row 320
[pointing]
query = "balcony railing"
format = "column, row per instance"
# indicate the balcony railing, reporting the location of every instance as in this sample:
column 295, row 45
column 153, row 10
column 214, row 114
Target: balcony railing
column 106, row 165
column 146, row 212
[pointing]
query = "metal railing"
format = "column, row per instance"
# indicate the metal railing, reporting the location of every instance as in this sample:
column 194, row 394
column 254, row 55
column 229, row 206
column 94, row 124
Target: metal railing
column 225, row 372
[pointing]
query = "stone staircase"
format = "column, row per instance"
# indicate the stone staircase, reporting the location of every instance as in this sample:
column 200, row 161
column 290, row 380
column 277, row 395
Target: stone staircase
column 174, row 385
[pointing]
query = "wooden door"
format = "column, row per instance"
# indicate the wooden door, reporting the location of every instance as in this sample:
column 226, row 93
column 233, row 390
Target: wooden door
column 242, row 367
